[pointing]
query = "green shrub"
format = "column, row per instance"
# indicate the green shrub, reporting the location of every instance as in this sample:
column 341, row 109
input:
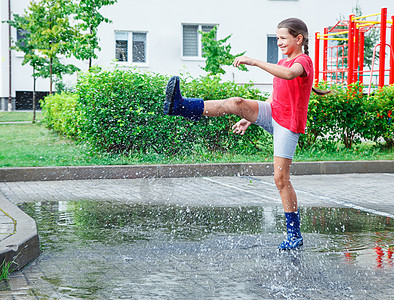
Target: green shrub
column 122, row 111
column 341, row 115
column 59, row 111
column 381, row 108
column 350, row 114
column 211, row 88
column 320, row 120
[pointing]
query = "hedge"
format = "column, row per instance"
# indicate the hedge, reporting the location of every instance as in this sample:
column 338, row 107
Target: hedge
column 60, row 113
column 122, row 112
column 350, row 115
column 381, row 108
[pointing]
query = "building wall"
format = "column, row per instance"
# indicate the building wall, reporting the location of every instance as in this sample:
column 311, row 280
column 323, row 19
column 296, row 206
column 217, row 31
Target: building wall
column 3, row 55
column 249, row 22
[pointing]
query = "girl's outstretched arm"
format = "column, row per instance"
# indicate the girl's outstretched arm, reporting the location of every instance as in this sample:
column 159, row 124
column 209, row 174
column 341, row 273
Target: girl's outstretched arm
column 279, row 71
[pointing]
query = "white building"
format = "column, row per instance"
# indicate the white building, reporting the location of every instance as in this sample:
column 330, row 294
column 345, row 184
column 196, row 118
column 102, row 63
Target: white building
column 161, row 36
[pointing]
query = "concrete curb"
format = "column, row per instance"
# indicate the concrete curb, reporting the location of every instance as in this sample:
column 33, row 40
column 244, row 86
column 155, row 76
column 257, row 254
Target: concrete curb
column 23, row 246
column 191, row 170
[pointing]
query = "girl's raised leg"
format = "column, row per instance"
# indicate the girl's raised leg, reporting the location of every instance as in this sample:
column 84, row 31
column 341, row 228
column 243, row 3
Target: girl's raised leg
column 194, row 108
column 247, row 109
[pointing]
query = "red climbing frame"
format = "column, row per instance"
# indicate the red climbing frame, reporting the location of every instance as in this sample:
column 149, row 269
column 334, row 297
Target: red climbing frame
column 338, row 68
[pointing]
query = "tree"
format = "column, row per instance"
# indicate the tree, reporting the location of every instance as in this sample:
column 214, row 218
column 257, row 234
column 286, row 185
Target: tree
column 23, row 44
column 59, row 28
column 217, row 53
column 40, row 64
column 51, row 35
column 87, row 11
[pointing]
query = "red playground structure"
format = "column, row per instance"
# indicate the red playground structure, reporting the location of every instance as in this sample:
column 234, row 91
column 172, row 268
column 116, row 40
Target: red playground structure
column 343, row 62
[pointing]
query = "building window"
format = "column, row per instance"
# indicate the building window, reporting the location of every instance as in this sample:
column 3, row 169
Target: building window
column 272, row 49
column 121, row 46
column 136, row 53
column 192, row 46
column 21, row 35
column 139, row 47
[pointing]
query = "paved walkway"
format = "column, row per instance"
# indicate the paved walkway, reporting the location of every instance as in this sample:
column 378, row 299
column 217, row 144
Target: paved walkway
column 372, row 193
column 367, row 192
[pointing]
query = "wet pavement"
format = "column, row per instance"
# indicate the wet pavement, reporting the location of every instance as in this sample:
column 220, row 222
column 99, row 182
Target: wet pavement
column 206, row 238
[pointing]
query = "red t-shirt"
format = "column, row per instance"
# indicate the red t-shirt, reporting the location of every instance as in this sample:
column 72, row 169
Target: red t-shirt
column 291, row 97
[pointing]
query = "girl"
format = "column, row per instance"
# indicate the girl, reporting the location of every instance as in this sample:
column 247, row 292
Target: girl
column 283, row 114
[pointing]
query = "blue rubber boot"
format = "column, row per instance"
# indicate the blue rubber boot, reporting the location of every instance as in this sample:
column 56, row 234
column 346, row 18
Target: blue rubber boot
column 176, row 105
column 294, row 239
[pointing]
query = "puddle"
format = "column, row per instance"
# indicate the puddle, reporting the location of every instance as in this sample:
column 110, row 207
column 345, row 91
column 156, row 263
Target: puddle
column 103, row 249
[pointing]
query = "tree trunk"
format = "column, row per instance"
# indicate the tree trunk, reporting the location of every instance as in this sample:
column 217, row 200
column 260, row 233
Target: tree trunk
column 90, row 58
column 34, row 99
column 50, row 76
column 348, row 140
column 389, row 142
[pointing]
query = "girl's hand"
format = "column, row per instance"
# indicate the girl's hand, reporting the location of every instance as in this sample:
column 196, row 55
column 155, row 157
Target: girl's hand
column 243, row 60
column 241, row 126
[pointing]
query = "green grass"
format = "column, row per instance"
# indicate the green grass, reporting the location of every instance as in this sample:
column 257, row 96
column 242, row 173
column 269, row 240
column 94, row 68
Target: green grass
column 28, row 145
column 19, row 116
column 23, row 145
column 33, row 145
column 5, row 269
column 338, row 152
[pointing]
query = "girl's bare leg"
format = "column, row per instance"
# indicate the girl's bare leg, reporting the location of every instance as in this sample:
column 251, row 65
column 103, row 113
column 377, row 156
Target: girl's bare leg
column 289, row 201
column 247, row 109
column 283, row 183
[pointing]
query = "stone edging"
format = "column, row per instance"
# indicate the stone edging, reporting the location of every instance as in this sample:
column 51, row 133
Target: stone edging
column 192, row 170
column 23, row 246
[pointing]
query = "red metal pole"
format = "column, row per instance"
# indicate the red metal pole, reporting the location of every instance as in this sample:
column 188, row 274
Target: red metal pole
column 391, row 77
column 350, row 51
column 355, row 57
column 317, row 46
column 382, row 52
column 325, row 55
column 361, row 57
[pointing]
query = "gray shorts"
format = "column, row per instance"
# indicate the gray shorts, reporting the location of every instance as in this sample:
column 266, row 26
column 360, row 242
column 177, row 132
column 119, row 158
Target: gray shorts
column 285, row 141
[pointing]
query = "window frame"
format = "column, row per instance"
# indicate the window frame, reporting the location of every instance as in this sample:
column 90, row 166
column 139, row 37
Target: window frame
column 21, row 34
column 130, row 48
column 18, row 36
column 272, row 36
column 280, row 54
column 199, row 56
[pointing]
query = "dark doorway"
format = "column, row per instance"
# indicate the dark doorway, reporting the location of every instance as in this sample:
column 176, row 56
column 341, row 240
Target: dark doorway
column 24, row 100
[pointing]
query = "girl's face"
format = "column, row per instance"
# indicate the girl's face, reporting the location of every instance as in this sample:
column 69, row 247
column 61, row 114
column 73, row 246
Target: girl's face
column 288, row 44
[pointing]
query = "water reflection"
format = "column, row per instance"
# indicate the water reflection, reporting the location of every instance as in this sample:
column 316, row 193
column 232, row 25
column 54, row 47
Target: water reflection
column 348, row 231
column 98, row 250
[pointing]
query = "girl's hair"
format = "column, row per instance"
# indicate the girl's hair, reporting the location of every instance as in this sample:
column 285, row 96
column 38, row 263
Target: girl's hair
column 296, row 27
column 321, row 92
